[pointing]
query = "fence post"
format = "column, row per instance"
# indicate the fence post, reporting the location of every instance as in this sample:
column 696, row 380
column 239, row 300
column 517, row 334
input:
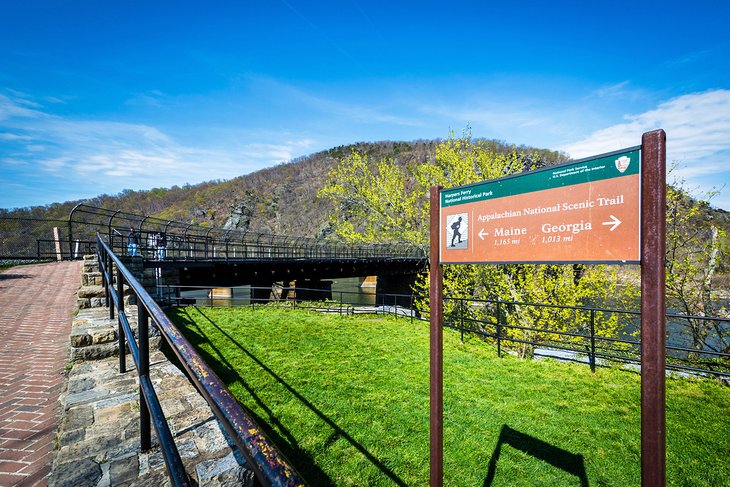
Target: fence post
column 110, row 279
column 120, row 332
column 499, row 328
column 144, row 370
column 412, row 310
column 593, row 340
column 461, row 318
column 104, row 277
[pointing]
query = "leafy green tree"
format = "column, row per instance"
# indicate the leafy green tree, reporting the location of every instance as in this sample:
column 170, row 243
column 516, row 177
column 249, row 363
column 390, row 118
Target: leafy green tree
column 379, row 202
column 694, row 256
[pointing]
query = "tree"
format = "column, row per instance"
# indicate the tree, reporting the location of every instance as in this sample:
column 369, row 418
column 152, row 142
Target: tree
column 382, row 202
column 694, row 256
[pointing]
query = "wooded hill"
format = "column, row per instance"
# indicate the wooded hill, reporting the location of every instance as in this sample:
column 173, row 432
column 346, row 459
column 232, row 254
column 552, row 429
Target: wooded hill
column 280, row 199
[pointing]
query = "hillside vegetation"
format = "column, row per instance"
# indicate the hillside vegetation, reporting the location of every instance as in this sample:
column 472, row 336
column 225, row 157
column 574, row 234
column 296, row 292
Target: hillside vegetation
column 280, row 199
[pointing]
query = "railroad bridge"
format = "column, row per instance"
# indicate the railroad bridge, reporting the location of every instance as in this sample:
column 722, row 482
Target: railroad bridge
column 195, row 255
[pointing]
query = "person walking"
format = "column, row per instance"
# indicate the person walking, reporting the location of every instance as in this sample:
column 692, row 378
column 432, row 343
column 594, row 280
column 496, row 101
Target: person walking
column 161, row 244
column 132, row 242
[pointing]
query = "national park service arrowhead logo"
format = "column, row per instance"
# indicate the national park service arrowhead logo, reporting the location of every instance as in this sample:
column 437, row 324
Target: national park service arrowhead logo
column 622, row 163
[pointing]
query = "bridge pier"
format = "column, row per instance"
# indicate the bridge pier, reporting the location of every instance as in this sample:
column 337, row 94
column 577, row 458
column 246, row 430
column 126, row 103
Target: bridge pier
column 400, row 285
column 221, row 296
column 313, row 290
column 261, row 291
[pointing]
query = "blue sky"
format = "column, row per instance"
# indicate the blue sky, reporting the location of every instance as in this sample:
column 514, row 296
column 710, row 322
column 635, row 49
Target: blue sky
column 97, row 97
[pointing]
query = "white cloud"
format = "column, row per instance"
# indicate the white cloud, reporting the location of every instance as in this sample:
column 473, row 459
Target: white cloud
column 616, row 89
column 108, row 156
column 9, row 136
column 698, row 137
column 350, row 113
column 17, row 108
column 697, row 125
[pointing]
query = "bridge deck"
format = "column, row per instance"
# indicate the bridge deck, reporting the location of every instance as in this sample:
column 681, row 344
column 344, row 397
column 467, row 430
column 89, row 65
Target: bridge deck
column 36, row 306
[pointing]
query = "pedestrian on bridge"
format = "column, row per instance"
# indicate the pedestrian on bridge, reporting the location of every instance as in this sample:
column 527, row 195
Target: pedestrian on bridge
column 161, row 240
column 132, row 242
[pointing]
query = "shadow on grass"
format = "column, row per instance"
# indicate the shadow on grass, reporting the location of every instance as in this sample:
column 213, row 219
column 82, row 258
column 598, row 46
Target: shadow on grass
column 557, row 457
column 302, row 461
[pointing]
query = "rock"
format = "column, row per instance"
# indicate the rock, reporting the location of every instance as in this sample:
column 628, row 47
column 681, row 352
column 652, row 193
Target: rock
column 91, row 292
column 125, row 469
column 94, row 352
column 223, row 472
column 79, row 473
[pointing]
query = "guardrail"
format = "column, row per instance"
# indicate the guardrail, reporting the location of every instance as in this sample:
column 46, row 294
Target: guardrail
column 187, row 241
column 38, row 238
column 490, row 319
column 26, row 238
column 268, row 464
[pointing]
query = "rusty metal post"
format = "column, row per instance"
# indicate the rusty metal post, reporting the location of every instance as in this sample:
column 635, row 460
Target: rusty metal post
column 145, row 433
column 110, row 279
column 437, row 346
column 653, row 308
column 120, row 310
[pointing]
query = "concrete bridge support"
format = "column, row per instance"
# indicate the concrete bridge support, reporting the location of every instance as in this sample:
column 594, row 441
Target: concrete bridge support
column 401, row 284
column 261, row 291
column 313, row 290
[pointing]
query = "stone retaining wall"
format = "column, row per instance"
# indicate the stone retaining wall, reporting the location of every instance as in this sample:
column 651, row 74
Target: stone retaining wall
column 98, row 437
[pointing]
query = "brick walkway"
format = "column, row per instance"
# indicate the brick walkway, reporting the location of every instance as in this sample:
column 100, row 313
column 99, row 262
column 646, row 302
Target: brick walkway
column 36, row 306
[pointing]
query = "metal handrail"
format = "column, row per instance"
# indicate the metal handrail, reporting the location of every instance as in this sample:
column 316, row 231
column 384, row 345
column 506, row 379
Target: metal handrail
column 140, row 354
column 268, row 464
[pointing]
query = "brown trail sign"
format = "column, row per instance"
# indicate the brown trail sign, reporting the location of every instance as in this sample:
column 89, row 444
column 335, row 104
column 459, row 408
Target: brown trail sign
column 584, row 211
column 604, row 209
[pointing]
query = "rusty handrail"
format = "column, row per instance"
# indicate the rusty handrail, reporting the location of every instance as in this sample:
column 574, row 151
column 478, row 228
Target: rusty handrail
column 264, row 458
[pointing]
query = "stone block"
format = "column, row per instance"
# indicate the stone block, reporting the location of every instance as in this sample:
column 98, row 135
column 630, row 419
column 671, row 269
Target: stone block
column 223, row 472
column 78, row 417
column 103, row 334
column 81, row 384
column 83, row 303
column 91, row 292
column 80, row 339
column 70, row 437
column 78, row 473
column 124, row 469
column 94, row 352
column 91, row 279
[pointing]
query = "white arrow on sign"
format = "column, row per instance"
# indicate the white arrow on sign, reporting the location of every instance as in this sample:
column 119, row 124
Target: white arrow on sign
column 482, row 233
column 615, row 222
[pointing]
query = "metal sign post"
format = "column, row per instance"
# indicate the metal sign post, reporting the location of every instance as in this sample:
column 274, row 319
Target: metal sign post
column 653, row 309
column 605, row 209
column 437, row 348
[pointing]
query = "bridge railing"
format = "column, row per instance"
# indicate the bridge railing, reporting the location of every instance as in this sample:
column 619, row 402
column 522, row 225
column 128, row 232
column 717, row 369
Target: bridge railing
column 26, row 238
column 183, row 241
column 268, row 464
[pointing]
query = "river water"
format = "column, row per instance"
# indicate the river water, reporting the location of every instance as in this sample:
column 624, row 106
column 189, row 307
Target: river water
column 345, row 290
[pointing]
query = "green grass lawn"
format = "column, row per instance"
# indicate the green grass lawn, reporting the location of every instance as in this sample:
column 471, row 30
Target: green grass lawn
column 346, row 399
